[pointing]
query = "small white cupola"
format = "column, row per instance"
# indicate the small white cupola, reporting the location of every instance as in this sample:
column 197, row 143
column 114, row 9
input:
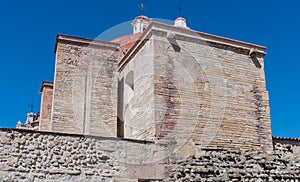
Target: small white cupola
column 140, row 23
column 180, row 22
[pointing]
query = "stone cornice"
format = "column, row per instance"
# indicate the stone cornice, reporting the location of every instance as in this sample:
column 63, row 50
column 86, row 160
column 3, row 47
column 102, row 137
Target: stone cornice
column 286, row 138
column 84, row 41
column 178, row 32
column 46, row 84
column 11, row 130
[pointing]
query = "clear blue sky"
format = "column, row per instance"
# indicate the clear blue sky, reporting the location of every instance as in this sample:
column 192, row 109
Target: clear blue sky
column 28, row 30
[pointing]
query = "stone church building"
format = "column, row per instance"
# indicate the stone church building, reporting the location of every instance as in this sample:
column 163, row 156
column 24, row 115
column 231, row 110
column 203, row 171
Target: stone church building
column 185, row 90
column 161, row 82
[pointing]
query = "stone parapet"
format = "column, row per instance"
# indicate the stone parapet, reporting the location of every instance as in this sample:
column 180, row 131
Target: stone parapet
column 45, row 156
column 232, row 165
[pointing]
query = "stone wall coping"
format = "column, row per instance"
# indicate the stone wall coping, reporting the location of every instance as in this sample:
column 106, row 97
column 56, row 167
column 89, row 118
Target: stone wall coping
column 10, row 130
column 84, row 41
column 285, row 138
column 209, row 37
column 46, row 84
column 190, row 34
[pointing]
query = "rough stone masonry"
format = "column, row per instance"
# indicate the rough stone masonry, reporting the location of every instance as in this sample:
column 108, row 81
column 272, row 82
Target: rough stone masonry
column 164, row 104
column 163, row 83
column 196, row 86
column 43, row 156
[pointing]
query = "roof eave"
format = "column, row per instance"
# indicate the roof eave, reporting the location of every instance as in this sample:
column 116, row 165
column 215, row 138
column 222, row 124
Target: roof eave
column 84, row 41
column 46, row 84
column 190, row 34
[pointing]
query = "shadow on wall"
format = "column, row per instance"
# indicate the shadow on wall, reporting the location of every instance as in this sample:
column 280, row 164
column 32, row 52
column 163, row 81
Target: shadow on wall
column 255, row 61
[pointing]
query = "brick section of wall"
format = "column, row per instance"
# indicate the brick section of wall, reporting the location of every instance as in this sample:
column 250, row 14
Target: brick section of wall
column 44, row 156
column 212, row 94
column 46, row 106
column 85, row 87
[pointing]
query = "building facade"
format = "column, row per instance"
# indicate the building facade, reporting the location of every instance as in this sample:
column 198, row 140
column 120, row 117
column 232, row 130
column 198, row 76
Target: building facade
column 161, row 83
column 165, row 103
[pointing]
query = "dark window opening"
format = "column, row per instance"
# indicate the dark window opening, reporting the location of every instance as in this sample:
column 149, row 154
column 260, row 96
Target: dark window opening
column 120, row 119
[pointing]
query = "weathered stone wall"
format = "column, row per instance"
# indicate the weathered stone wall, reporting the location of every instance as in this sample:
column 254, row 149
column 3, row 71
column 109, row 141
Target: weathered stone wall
column 85, row 87
column 231, row 165
column 211, row 93
column 287, row 144
column 138, row 99
column 46, row 106
column 175, row 86
column 41, row 156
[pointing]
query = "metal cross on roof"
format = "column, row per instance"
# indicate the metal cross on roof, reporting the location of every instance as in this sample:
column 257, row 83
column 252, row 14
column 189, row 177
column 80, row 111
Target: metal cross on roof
column 32, row 106
column 179, row 7
column 180, row 10
column 142, row 8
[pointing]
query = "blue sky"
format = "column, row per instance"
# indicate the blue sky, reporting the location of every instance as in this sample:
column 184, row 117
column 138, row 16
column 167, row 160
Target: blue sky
column 28, row 30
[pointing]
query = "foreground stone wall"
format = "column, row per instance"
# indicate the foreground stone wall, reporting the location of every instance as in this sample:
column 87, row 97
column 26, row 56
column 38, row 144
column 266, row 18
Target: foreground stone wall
column 43, row 156
column 217, row 165
column 40, row 156
column 287, row 144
